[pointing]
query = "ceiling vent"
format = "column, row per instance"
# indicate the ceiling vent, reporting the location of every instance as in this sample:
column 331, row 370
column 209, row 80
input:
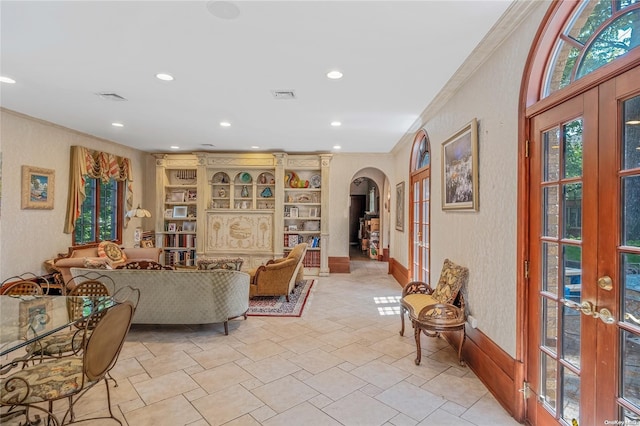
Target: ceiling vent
column 111, row 96
column 283, row 94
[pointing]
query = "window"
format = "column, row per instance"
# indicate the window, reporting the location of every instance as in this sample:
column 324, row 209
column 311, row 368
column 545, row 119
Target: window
column 101, row 212
column 597, row 33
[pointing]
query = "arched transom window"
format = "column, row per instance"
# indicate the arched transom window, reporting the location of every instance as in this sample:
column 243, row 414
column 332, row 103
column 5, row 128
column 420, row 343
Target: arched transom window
column 597, row 33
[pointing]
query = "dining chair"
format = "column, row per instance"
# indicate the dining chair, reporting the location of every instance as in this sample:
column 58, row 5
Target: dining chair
column 42, row 281
column 71, row 377
column 70, row 342
column 23, row 288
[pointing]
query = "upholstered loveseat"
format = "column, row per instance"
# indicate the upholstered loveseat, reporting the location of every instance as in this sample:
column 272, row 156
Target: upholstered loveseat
column 182, row 296
column 78, row 257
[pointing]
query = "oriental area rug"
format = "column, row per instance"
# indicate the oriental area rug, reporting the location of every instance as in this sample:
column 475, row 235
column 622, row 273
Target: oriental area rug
column 277, row 306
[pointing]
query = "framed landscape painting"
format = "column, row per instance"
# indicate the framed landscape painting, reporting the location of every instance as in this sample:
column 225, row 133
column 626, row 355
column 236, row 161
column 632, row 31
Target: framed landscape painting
column 460, row 169
column 38, row 186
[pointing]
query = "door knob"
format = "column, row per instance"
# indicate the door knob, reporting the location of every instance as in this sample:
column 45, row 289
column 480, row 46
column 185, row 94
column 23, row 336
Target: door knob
column 588, row 309
column 605, row 283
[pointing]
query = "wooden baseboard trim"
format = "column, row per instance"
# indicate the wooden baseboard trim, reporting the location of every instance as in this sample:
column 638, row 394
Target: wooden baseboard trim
column 493, row 366
column 399, row 272
column 339, row 265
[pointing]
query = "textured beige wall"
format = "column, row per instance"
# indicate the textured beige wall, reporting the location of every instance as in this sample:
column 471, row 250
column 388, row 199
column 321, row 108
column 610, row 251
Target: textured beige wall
column 484, row 241
column 30, row 237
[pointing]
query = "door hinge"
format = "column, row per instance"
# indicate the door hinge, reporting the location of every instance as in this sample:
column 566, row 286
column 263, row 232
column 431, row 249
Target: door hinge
column 526, row 390
column 526, row 148
column 526, row 269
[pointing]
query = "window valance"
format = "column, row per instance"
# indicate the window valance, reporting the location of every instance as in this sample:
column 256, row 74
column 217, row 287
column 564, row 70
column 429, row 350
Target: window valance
column 96, row 165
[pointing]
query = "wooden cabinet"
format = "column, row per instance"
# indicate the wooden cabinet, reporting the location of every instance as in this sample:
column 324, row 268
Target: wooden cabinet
column 239, row 207
column 249, row 205
column 176, row 217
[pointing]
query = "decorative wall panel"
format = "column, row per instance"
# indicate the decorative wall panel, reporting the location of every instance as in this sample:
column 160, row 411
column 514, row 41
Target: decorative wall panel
column 239, row 232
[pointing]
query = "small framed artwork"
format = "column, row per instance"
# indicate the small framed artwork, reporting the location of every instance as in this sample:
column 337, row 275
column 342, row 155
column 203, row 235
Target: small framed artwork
column 38, row 187
column 146, row 243
column 460, row 169
column 189, row 227
column 293, row 212
column 172, row 227
column 313, row 212
column 176, row 197
column 168, row 213
column 192, row 195
column 400, row 206
column 179, row 211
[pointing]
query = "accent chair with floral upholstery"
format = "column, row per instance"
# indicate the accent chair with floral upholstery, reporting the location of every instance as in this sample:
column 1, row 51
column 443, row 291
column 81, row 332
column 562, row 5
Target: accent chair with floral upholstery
column 439, row 309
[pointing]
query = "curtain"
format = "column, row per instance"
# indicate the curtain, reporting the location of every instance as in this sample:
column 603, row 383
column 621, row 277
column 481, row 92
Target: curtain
column 98, row 165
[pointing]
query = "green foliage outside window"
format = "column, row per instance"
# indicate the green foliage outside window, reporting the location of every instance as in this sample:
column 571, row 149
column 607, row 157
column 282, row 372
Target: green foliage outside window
column 98, row 220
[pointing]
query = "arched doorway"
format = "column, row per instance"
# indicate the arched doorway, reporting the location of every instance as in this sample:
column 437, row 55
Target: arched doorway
column 581, row 233
column 368, row 215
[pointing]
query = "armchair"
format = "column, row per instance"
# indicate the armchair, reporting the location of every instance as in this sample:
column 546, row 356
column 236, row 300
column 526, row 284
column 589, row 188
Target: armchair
column 436, row 310
column 278, row 276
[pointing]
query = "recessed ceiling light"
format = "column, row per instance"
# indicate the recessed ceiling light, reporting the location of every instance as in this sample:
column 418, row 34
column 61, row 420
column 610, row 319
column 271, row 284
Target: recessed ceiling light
column 255, row 147
column 223, row 9
column 336, row 123
column 337, row 147
column 225, row 124
column 9, row 80
column 334, row 75
column 117, row 124
column 174, row 147
column 164, row 76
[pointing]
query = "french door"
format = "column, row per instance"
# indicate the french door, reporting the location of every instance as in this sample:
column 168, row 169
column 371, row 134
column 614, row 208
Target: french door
column 583, row 355
column 420, row 205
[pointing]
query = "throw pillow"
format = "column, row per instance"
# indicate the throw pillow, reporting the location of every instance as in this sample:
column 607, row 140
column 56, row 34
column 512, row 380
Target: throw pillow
column 95, row 263
column 111, row 251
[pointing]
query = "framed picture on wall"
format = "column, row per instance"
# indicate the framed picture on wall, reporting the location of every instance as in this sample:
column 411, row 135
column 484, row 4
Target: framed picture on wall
column 37, row 188
column 400, row 206
column 460, row 169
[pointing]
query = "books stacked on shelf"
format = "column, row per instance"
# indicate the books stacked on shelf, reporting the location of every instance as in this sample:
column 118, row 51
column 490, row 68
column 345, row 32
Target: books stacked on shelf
column 312, row 259
column 180, row 240
column 179, row 257
column 315, row 242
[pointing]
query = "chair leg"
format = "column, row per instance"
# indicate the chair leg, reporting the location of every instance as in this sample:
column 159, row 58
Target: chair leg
column 416, row 332
column 402, row 311
column 106, row 383
column 226, row 328
column 462, row 339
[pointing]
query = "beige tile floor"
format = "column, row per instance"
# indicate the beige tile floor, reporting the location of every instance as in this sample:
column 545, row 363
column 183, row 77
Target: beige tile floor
column 342, row 363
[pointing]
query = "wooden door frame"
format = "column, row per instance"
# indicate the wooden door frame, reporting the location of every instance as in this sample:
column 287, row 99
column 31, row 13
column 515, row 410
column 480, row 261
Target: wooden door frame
column 530, row 105
column 414, row 175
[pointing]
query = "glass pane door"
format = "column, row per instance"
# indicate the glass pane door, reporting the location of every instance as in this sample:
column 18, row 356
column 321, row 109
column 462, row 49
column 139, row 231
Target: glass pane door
column 420, row 214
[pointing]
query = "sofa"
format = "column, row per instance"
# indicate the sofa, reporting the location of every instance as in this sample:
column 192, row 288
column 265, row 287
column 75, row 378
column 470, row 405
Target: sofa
column 80, row 256
column 182, row 296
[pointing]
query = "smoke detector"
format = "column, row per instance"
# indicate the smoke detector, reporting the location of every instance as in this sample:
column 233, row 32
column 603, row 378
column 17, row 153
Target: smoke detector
column 111, row 96
column 283, row 94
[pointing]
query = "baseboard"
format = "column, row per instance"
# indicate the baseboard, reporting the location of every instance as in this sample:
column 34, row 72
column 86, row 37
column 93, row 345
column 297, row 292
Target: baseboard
column 399, row 272
column 339, row 265
column 493, row 366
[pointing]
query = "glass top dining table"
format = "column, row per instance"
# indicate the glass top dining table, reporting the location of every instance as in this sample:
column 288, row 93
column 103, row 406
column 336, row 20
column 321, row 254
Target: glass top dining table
column 26, row 319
